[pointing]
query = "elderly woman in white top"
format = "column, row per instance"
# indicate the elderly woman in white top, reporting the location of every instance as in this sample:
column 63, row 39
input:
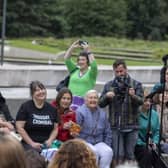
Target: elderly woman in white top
column 96, row 129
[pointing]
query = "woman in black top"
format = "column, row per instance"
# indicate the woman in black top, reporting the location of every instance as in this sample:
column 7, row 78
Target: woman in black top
column 36, row 120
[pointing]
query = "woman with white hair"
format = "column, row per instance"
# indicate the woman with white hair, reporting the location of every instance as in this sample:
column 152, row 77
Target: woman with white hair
column 96, row 129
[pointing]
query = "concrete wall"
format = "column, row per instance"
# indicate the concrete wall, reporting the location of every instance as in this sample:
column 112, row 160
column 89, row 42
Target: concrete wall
column 50, row 75
column 15, row 79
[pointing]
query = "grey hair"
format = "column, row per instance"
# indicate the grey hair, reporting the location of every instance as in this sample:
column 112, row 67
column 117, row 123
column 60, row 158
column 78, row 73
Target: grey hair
column 91, row 91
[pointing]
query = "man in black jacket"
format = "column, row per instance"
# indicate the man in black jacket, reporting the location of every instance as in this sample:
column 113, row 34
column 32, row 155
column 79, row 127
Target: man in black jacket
column 123, row 95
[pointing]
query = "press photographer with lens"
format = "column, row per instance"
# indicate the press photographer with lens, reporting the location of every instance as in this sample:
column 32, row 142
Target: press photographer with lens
column 123, row 95
column 84, row 73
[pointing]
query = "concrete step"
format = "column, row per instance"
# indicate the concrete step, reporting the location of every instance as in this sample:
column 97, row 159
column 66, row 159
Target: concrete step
column 16, row 96
column 15, row 79
column 24, row 93
column 21, row 75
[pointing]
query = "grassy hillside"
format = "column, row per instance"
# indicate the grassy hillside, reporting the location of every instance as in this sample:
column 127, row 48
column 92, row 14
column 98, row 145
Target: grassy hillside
column 100, row 45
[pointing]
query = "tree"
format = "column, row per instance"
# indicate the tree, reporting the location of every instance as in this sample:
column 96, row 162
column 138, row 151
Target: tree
column 147, row 19
column 29, row 18
column 95, row 17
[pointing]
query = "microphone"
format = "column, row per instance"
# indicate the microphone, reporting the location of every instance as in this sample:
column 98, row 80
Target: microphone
column 150, row 95
column 162, row 74
column 164, row 58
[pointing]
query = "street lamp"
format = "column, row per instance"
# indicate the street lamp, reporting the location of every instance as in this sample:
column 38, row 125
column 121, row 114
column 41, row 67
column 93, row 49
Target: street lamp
column 3, row 30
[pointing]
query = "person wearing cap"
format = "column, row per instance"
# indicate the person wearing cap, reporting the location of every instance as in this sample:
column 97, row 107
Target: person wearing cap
column 84, row 74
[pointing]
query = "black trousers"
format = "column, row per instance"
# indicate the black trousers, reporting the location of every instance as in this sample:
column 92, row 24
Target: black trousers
column 146, row 158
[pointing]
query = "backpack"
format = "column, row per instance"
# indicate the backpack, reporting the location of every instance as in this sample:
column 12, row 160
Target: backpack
column 65, row 81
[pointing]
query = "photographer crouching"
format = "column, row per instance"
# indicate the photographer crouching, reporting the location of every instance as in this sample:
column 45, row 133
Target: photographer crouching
column 123, row 95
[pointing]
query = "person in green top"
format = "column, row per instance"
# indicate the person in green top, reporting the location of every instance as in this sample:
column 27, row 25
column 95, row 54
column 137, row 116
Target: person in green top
column 143, row 154
column 83, row 74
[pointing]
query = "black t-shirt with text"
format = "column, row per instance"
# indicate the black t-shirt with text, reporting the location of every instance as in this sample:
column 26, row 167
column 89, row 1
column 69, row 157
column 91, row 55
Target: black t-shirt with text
column 39, row 122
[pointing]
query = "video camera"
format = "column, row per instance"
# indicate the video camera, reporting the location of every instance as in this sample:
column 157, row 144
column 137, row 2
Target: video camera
column 121, row 88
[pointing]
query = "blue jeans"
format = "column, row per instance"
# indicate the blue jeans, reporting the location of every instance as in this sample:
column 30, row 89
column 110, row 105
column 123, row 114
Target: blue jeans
column 127, row 141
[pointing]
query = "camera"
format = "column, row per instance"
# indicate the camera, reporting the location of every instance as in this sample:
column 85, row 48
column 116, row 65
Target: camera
column 81, row 42
column 121, row 87
column 120, row 92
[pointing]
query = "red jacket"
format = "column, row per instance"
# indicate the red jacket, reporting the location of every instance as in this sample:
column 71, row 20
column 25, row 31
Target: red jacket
column 69, row 115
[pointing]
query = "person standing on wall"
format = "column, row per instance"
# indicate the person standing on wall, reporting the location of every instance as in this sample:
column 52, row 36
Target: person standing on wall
column 123, row 95
column 84, row 77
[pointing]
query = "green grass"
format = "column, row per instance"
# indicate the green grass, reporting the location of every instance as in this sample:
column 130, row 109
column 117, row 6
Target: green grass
column 27, row 43
column 130, row 63
column 99, row 44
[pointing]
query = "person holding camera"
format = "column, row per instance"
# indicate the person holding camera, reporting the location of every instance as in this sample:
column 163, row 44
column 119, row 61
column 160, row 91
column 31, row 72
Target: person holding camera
column 84, row 74
column 123, row 95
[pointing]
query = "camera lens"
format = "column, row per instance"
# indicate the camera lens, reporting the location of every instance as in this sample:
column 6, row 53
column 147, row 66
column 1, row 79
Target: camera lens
column 81, row 42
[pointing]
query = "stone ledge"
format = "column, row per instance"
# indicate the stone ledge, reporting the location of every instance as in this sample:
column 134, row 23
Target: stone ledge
column 50, row 75
column 23, row 93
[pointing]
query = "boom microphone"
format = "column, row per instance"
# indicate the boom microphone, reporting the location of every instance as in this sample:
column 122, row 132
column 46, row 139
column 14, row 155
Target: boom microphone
column 165, row 58
column 150, row 95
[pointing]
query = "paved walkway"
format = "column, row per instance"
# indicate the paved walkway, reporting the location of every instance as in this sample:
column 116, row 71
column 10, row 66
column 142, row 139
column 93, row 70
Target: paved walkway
column 22, row 52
